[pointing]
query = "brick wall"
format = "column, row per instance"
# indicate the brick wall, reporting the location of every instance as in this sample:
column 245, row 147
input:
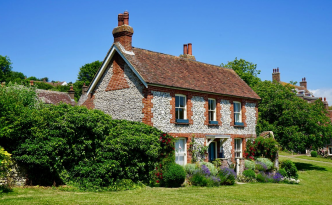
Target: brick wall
column 89, row 102
column 118, row 80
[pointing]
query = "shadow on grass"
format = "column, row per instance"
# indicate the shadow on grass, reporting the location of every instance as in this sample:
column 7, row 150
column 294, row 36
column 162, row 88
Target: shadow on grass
column 5, row 189
column 305, row 167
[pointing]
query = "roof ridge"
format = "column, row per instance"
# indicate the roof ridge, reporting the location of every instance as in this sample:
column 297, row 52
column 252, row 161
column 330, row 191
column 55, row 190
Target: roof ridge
column 183, row 58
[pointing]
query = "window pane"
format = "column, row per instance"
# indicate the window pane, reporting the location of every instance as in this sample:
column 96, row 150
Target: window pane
column 236, row 107
column 213, row 105
column 237, row 117
column 181, row 113
column 180, row 146
column 210, row 116
column 176, row 113
column 182, row 102
column 177, row 101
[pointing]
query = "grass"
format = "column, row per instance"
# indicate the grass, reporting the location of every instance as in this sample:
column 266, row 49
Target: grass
column 315, row 188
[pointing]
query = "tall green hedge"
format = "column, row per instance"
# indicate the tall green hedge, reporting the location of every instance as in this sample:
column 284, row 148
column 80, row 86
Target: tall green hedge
column 71, row 144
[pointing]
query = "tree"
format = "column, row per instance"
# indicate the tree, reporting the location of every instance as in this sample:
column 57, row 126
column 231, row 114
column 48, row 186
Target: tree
column 5, row 68
column 297, row 125
column 86, row 74
column 245, row 69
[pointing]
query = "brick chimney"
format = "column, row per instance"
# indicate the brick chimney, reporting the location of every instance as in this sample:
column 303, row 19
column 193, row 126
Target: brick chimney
column 31, row 82
column 326, row 104
column 71, row 93
column 84, row 89
column 123, row 33
column 188, row 52
column 276, row 75
column 303, row 83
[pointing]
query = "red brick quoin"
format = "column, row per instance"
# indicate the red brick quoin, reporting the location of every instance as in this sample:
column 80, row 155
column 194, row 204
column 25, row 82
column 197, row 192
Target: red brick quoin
column 118, row 80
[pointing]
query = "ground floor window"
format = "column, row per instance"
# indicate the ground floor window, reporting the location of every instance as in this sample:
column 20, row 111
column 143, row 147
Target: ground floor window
column 238, row 148
column 181, row 151
column 330, row 150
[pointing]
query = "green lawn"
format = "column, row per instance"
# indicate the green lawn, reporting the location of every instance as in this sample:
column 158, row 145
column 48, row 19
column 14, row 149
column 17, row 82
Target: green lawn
column 315, row 188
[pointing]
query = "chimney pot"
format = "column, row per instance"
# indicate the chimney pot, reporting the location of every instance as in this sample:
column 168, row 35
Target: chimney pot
column 126, row 18
column 277, row 69
column 324, row 98
column 185, row 49
column 190, row 52
column 120, row 19
column 304, row 79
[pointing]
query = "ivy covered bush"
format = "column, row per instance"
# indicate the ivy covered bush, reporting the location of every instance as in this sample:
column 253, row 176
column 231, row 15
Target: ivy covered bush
column 290, row 168
column 73, row 145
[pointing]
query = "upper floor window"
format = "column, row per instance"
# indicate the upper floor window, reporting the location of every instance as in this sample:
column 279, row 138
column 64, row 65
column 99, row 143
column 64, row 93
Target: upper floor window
column 237, row 113
column 212, row 110
column 181, row 108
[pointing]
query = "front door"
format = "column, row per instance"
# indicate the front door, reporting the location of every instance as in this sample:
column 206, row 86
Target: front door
column 180, row 151
column 212, row 151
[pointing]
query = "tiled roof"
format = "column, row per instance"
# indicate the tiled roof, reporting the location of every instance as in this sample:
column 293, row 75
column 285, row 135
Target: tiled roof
column 295, row 86
column 173, row 71
column 54, row 97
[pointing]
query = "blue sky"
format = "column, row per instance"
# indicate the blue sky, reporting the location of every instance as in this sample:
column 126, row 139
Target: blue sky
column 55, row 38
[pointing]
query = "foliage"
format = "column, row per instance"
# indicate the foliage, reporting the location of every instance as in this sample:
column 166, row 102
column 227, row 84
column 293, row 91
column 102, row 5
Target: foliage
column 282, row 172
column 5, row 163
column 260, row 166
column 85, row 75
column 296, row 124
column 249, row 164
column 5, row 67
column 190, row 168
column 249, row 173
column 197, row 150
column 203, row 177
column 213, row 170
column 313, row 154
column 266, row 161
column 290, row 168
column 71, row 144
column 267, row 147
column 246, row 70
column 227, row 176
column 174, row 175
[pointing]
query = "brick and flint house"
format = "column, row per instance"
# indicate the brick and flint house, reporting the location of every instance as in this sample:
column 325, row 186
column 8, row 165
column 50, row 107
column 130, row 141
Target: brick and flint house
column 178, row 95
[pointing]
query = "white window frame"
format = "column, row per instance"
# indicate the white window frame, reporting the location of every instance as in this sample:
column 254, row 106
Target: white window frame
column 240, row 117
column 185, row 149
column 185, row 106
column 214, row 110
column 328, row 150
column 236, row 151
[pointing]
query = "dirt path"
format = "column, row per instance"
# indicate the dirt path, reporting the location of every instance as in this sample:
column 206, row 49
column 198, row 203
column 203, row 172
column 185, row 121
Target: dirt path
column 295, row 156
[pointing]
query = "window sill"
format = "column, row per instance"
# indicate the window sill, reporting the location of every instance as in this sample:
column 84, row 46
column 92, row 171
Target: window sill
column 213, row 124
column 182, row 121
column 238, row 125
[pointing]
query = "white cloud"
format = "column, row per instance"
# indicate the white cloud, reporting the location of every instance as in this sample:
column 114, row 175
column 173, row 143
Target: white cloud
column 323, row 92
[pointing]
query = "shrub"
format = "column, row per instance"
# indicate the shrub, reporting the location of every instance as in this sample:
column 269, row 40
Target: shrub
column 174, row 175
column 290, row 168
column 5, row 163
column 213, row 170
column 282, row 172
column 260, row 166
column 227, row 176
column 267, row 162
column 190, row 168
column 249, row 164
column 313, row 154
column 249, row 173
column 199, row 179
column 268, row 147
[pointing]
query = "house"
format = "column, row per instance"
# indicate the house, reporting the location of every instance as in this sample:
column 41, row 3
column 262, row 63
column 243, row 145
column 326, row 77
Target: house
column 176, row 94
column 305, row 94
column 55, row 97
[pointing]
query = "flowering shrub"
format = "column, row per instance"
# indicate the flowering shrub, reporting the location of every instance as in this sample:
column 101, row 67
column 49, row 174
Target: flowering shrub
column 249, row 173
column 197, row 150
column 190, row 168
column 5, row 163
column 203, row 177
column 213, row 170
column 260, row 166
column 266, row 161
column 291, row 180
column 268, row 147
column 227, row 176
